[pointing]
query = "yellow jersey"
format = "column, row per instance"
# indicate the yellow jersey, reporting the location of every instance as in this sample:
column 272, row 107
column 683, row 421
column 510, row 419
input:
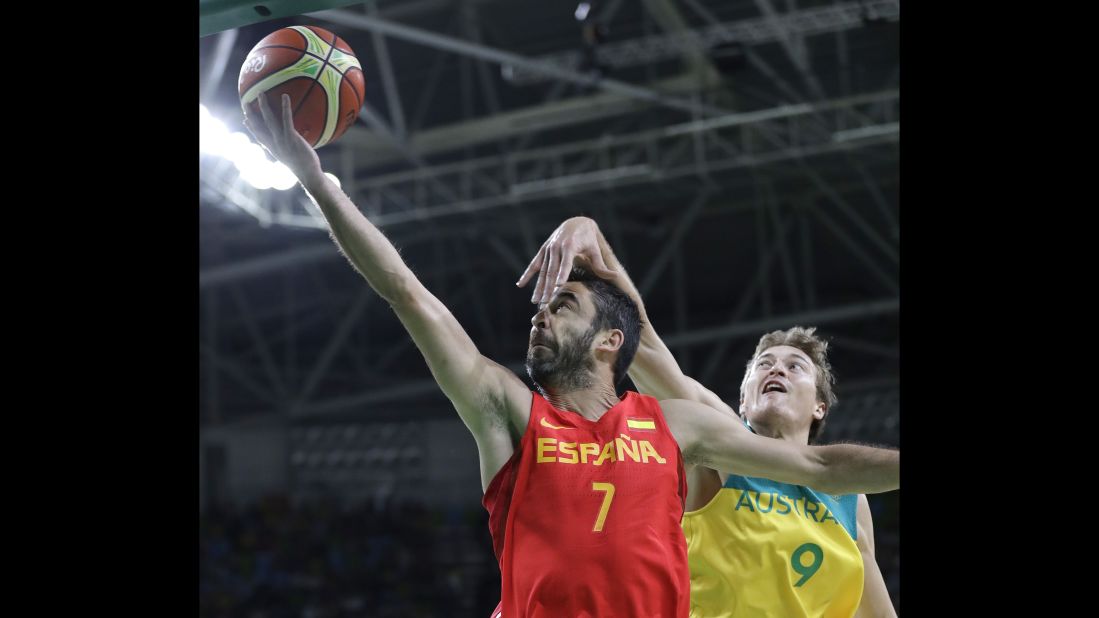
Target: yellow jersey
column 763, row 548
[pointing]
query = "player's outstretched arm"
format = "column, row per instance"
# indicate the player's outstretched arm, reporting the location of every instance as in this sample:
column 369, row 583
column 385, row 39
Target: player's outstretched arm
column 490, row 399
column 715, row 440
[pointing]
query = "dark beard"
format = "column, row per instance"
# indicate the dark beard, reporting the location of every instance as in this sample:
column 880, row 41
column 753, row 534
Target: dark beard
column 570, row 369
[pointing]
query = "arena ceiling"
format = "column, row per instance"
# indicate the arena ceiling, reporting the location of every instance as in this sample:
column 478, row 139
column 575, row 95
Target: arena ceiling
column 742, row 157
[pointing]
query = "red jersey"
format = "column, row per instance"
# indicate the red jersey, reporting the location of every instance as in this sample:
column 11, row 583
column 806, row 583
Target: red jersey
column 585, row 516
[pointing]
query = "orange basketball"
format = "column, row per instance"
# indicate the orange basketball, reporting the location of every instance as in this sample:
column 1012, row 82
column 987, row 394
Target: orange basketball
column 317, row 69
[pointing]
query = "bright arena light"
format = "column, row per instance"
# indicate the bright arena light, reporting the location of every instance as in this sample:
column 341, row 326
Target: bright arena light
column 248, row 157
column 211, row 132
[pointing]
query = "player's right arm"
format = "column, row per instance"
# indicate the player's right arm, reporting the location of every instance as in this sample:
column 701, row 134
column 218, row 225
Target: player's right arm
column 654, row 369
column 492, row 402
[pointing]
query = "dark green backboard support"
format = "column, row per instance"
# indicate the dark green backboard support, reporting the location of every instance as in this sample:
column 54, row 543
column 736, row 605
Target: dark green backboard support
column 218, row 15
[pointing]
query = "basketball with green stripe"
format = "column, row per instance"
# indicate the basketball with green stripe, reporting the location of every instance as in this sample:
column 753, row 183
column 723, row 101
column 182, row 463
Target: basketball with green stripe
column 317, row 69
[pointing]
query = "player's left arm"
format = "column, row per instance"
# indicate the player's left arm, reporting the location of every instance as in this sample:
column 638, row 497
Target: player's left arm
column 875, row 597
column 715, row 440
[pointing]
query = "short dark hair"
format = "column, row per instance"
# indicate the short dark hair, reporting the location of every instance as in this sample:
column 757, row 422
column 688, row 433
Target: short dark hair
column 613, row 309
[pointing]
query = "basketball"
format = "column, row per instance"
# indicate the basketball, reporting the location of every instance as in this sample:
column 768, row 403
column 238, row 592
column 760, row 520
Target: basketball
column 317, row 69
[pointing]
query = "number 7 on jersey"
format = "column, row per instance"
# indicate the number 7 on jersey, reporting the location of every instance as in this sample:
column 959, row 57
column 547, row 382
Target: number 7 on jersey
column 608, row 497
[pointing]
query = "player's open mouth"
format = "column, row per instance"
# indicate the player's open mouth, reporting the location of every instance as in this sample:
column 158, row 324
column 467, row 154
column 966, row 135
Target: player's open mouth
column 773, row 387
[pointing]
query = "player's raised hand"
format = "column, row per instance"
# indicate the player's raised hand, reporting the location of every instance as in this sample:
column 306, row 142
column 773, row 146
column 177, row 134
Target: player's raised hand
column 574, row 243
column 277, row 134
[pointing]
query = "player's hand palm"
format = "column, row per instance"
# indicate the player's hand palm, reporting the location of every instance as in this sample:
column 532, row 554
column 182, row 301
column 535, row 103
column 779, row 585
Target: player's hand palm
column 277, row 134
